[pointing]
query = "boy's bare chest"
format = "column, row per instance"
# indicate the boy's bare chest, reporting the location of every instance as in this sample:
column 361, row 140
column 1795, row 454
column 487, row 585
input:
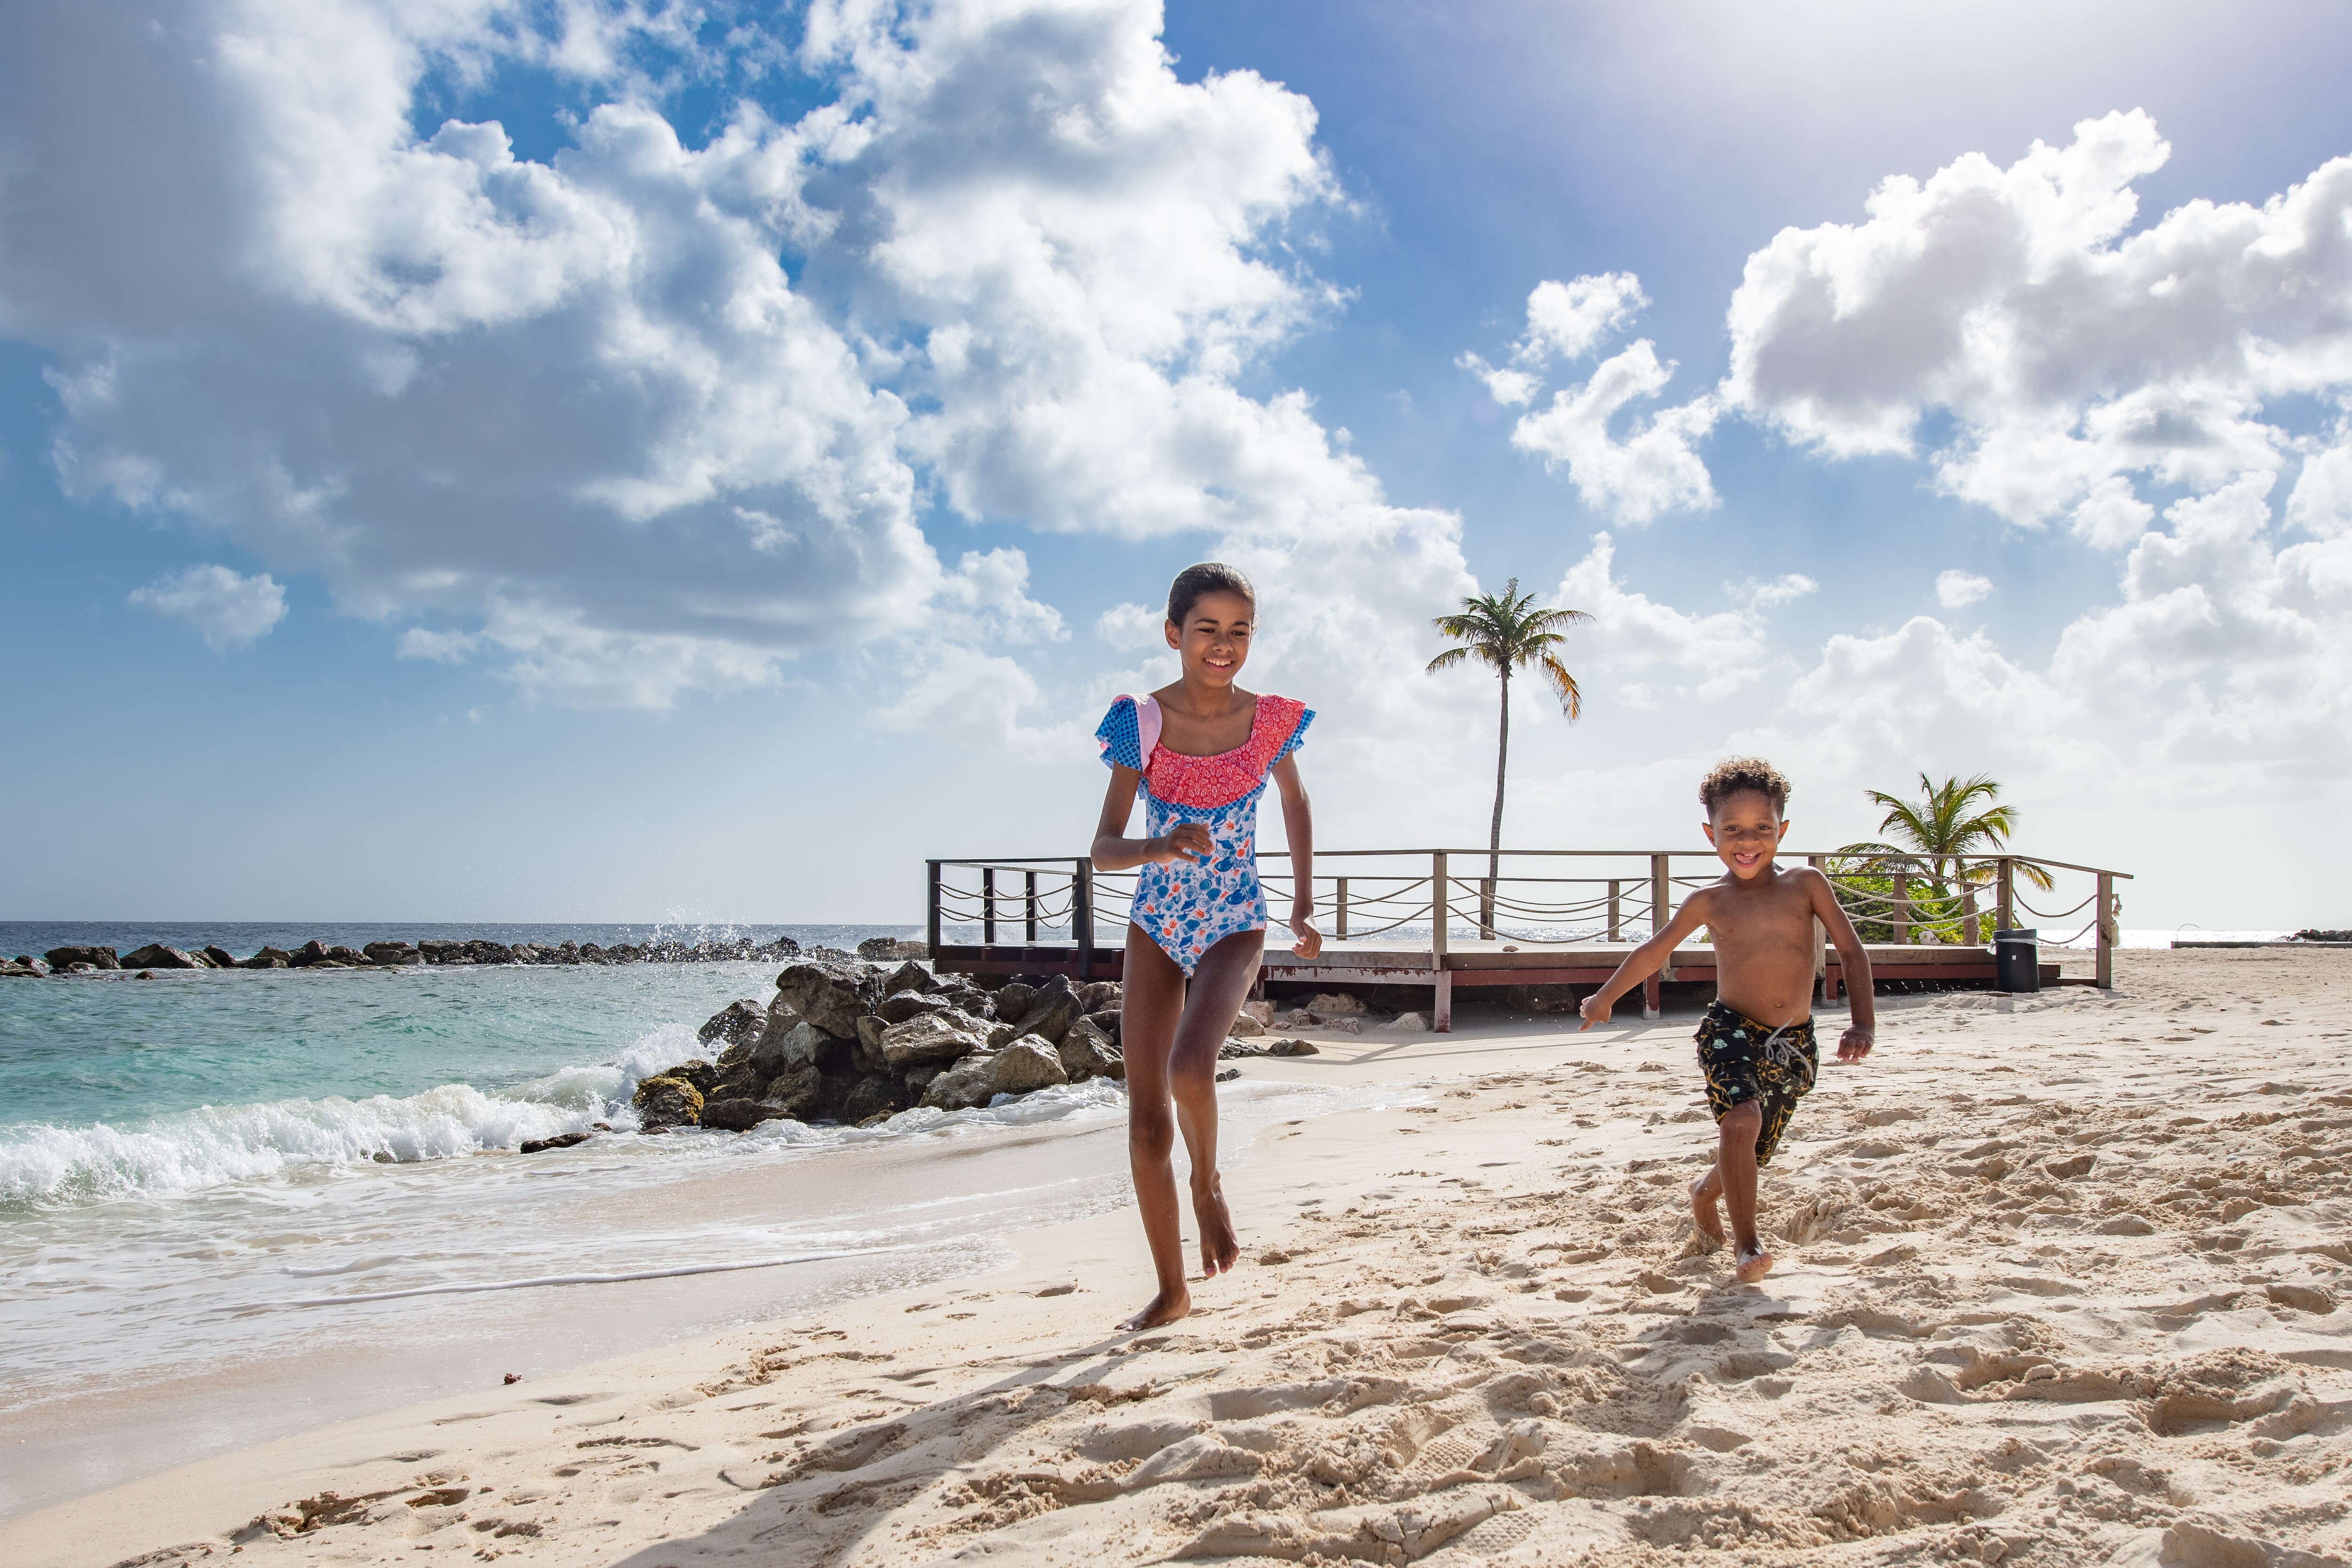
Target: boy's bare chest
column 1767, row 920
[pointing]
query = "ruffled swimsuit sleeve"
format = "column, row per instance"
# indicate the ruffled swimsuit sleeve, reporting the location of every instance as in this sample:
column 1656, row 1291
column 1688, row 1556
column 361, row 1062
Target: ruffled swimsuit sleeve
column 1120, row 736
column 1297, row 735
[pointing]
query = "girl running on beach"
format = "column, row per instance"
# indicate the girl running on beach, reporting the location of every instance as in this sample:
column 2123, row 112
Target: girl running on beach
column 1202, row 750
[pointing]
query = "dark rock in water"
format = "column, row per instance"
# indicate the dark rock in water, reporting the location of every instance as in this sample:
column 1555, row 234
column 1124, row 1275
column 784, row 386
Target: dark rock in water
column 561, row 1141
column 96, row 957
column 1229, row 1075
column 830, row 993
column 878, row 948
column 737, row 1115
column 1013, row 999
column 481, row 952
column 310, row 953
column 866, row 1051
column 145, row 974
column 2317, row 936
column 220, row 958
column 269, row 958
column 963, row 1086
column 1294, row 1048
column 21, row 971
column 875, row 1094
column 909, row 977
column 390, row 954
column 666, row 1102
column 940, row 1036
column 804, row 1043
column 155, row 955
column 696, row 1072
column 739, row 1023
column 907, row 1005
column 1052, row 1009
column 78, row 969
column 795, row 1090
column 441, row 952
column 918, row 1078
column 768, row 1050
column 738, row 1079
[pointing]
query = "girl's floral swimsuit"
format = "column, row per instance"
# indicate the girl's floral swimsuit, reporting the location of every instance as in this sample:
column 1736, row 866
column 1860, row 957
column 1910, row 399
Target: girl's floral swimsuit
column 1190, row 906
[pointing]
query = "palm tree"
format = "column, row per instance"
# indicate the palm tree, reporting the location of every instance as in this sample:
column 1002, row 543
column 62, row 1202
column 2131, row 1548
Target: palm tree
column 1936, row 833
column 1508, row 631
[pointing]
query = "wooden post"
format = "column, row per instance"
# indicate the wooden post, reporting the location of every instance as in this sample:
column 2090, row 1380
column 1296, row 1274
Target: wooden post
column 1082, row 915
column 1440, row 916
column 1029, row 926
column 988, row 906
column 1339, row 926
column 1614, row 922
column 1486, row 908
column 1653, row 993
column 931, row 908
column 2007, row 918
column 1902, row 912
column 1821, row 940
column 2108, row 932
column 1659, row 889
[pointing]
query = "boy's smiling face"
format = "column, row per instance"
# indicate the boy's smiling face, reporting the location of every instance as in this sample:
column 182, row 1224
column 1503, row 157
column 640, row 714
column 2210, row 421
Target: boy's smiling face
column 1746, row 829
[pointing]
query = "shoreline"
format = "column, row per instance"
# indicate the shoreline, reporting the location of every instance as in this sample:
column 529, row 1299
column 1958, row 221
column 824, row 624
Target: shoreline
column 2009, row 1322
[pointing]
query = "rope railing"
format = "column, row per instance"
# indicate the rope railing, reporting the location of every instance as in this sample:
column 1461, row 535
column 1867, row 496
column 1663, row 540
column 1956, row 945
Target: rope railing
column 1905, row 898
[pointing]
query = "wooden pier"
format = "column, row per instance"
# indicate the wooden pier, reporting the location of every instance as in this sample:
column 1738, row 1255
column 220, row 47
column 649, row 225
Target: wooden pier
column 1409, row 917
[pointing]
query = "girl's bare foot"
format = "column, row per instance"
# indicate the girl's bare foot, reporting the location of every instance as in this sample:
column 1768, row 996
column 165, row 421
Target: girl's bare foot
column 1751, row 1264
column 1220, row 1248
column 1705, row 1212
column 1164, row 1308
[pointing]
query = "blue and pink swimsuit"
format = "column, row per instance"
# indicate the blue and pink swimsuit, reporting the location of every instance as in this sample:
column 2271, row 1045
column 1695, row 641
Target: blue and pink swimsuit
column 1190, row 906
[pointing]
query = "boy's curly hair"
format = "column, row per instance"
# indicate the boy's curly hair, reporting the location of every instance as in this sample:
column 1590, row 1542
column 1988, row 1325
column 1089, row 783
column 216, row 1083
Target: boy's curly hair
column 1733, row 775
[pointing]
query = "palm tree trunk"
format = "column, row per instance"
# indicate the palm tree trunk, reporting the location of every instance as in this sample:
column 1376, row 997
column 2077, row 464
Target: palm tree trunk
column 1495, row 828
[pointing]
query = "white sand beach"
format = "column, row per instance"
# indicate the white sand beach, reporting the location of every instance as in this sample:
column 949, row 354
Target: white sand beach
column 2062, row 1279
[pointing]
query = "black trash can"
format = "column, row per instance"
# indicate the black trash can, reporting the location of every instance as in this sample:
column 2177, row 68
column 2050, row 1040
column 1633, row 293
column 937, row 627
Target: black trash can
column 2017, row 960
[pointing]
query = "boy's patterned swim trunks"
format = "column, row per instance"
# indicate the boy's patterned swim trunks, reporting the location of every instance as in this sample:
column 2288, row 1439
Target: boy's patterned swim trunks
column 1746, row 1061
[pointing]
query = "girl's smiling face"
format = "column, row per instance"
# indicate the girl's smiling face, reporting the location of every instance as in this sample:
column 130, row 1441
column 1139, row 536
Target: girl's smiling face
column 1214, row 641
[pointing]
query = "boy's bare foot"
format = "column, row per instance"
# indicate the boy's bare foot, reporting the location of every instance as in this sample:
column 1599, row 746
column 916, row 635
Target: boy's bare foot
column 1749, row 1266
column 1704, row 1214
column 1164, row 1308
column 1220, row 1248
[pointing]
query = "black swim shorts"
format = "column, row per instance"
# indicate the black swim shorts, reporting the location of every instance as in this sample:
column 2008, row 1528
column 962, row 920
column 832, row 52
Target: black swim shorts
column 1746, row 1061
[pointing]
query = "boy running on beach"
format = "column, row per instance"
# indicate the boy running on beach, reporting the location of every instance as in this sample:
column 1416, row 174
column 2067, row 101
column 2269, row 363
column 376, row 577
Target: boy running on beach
column 1755, row 1042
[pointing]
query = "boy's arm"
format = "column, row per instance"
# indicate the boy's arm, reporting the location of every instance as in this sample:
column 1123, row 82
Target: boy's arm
column 1644, row 959
column 1862, row 1028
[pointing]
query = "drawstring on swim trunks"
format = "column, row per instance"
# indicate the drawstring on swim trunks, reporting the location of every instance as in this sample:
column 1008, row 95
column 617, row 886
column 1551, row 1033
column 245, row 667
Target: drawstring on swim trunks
column 1779, row 1053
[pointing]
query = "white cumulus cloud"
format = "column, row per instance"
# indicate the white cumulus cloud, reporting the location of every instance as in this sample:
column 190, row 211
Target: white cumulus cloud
column 1654, row 468
column 1956, row 589
column 226, row 609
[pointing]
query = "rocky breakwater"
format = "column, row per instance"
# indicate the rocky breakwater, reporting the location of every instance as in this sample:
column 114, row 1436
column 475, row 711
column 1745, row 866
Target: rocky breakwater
column 403, row 954
column 848, row 1042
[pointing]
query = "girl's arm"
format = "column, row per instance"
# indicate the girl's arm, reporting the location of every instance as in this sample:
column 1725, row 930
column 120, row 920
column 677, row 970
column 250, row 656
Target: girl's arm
column 1643, row 960
column 1298, row 827
column 1114, row 851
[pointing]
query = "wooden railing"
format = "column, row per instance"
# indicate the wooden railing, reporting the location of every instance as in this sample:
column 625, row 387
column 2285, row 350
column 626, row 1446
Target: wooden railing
column 1362, row 895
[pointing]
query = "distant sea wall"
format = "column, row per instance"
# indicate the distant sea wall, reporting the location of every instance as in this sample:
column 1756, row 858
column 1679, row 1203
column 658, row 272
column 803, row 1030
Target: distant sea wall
column 317, row 955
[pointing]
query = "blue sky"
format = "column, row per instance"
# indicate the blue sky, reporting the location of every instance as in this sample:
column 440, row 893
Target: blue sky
column 487, row 461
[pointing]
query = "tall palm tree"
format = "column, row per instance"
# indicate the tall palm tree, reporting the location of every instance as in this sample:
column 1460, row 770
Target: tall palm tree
column 1508, row 631
column 1933, row 836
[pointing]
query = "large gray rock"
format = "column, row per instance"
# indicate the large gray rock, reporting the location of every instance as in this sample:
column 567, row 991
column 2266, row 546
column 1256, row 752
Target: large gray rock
column 907, row 1005
column 796, row 1089
column 666, row 1102
column 865, row 1053
column 219, row 957
column 391, row 954
column 909, row 977
column 1099, row 995
column 1013, row 999
column 930, row 1037
column 963, row 1086
column 701, row 1074
column 155, row 955
column 738, row 1023
column 1087, row 1052
column 805, row 1044
column 96, row 957
column 1108, row 1021
column 1053, row 1008
column 1024, row 1065
column 739, row 1115
column 269, row 958
column 830, row 993
column 875, row 1096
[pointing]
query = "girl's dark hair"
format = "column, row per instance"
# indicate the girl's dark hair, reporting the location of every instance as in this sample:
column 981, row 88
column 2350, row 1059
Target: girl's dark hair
column 1197, row 583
